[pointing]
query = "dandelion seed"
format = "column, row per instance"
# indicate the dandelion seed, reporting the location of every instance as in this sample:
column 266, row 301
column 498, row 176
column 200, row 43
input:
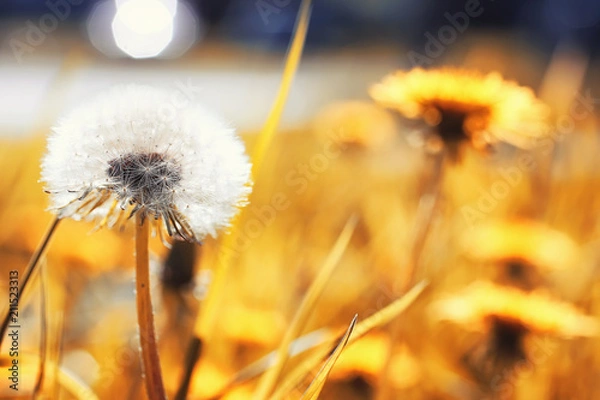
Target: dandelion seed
column 131, row 152
column 465, row 107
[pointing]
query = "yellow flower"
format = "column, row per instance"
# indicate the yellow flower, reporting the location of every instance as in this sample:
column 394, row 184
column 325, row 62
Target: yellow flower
column 509, row 319
column 356, row 124
column 484, row 302
column 465, row 106
column 253, row 326
column 366, row 357
column 363, row 358
column 522, row 241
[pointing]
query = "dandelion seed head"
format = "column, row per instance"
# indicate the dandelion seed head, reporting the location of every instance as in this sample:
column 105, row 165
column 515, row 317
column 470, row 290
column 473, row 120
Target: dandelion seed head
column 134, row 149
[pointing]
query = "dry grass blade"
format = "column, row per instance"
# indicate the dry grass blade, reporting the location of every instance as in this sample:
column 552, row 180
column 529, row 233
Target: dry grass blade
column 56, row 307
column 316, row 386
column 67, row 380
column 29, row 271
column 52, row 304
column 292, row 60
column 381, row 318
column 43, row 330
column 267, row 383
column 298, row 346
column 209, row 314
column 75, row 386
column 387, row 314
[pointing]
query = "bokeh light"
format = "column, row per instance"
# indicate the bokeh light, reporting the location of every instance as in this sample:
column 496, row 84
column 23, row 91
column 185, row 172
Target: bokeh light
column 181, row 30
column 143, row 28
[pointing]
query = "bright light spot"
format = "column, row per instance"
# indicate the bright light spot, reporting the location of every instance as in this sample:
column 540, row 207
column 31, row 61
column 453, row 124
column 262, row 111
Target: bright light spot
column 143, row 28
column 188, row 30
column 98, row 28
column 170, row 4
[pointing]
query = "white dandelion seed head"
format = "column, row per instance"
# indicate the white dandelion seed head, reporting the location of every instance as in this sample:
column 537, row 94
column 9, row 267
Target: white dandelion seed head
column 133, row 150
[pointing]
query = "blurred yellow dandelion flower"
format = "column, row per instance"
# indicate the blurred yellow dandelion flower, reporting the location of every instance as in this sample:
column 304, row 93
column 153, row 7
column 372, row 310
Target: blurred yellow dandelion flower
column 484, row 302
column 363, row 358
column 405, row 370
column 465, row 106
column 208, row 380
column 522, row 241
column 254, row 326
column 355, row 124
column 366, row 358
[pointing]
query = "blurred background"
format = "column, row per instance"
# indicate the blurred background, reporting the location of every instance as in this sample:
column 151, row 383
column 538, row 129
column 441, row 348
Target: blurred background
column 229, row 54
column 231, row 51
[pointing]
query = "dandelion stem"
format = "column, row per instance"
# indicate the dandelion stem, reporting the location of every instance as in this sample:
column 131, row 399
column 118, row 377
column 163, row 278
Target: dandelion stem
column 29, row 270
column 150, row 360
column 428, row 206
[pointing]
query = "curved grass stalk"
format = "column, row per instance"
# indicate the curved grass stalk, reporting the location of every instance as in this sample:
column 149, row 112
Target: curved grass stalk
column 67, row 380
column 29, row 271
column 269, row 380
column 215, row 291
column 54, row 99
column 43, row 332
column 299, row 346
column 317, row 384
column 291, row 66
column 209, row 310
column 381, row 318
column 75, row 386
